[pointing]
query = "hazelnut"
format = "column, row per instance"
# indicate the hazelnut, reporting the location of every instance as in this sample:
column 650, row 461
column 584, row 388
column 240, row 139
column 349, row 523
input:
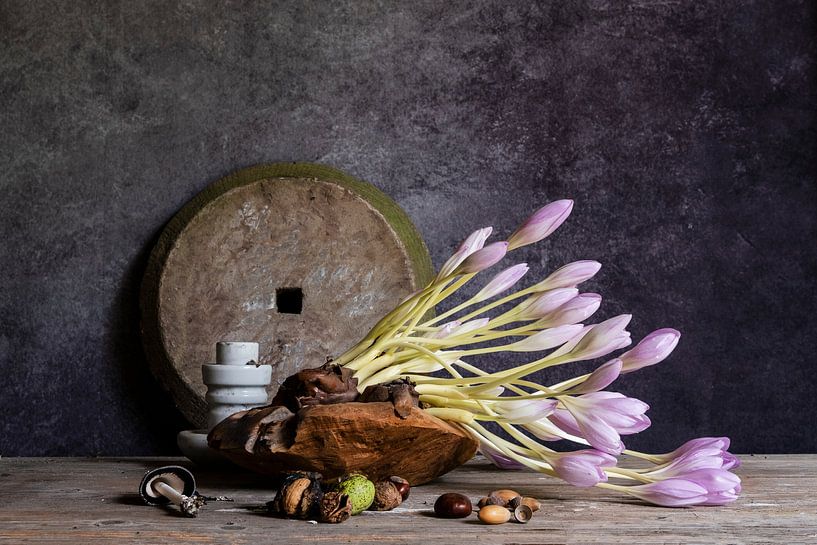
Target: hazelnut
column 386, row 496
column 452, row 506
column 494, row 514
column 335, row 507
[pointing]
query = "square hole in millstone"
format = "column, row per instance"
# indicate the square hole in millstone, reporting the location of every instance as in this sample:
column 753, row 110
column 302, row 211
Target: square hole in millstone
column 289, row 300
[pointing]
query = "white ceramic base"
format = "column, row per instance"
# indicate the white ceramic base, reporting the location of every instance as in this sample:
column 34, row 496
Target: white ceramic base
column 193, row 444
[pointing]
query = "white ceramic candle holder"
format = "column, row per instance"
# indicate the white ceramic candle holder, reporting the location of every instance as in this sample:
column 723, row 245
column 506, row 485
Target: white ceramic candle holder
column 236, row 382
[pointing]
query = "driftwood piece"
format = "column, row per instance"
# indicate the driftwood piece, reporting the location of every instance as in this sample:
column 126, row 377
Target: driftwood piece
column 338, row 439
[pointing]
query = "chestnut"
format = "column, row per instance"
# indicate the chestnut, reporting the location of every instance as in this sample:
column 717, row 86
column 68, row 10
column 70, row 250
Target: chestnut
column 452, row 506
column 402, row 485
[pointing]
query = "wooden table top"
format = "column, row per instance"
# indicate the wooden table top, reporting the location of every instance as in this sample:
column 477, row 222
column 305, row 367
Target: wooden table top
column 90, row 501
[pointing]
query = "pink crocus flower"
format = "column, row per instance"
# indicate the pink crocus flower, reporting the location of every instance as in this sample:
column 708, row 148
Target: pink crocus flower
column 482, row 258
column 652, row 349
column 700, row 443
column 541, row 224
column 570, row 275
column 599, row 379
column 502, row 281
column 724, row 497
column 601, row 418
column 541, row 304
column 670, row 492
column 714, row 480
column 574, row 311
column 605, row 337
column 471, row 244
column 700, row 487
column 499, row 458
column 524, row 411
column 705, row 456
column 582, row 467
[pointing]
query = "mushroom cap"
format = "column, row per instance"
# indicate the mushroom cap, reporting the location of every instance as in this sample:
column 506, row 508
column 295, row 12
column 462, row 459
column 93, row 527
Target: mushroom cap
column 174, row 476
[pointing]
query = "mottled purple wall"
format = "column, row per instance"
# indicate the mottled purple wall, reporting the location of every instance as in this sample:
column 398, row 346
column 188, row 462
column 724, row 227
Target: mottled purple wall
column 685, row 131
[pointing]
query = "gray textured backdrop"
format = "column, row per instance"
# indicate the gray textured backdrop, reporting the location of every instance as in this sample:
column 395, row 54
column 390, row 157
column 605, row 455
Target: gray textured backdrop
column 685, row 131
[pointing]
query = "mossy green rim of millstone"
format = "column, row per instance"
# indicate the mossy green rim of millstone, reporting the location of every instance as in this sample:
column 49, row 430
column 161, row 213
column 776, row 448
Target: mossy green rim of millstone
column 188, row 401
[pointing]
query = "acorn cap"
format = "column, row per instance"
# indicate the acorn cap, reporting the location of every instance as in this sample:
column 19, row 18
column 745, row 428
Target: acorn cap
column 176, row 477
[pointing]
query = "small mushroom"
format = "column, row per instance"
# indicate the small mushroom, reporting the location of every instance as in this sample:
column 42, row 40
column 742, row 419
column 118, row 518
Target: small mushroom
column 171, row 484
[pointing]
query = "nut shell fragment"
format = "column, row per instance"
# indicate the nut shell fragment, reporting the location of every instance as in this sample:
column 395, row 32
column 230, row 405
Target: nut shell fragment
column 298, row 497
column 335, row 507
column 386, row 496
column 522, row 514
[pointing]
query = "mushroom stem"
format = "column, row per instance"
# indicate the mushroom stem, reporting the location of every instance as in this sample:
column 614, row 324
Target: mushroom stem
column 187, row 504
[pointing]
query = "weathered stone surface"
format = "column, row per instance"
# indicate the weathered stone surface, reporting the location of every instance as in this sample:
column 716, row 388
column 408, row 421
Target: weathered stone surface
column 299, row 258
column 339, row 439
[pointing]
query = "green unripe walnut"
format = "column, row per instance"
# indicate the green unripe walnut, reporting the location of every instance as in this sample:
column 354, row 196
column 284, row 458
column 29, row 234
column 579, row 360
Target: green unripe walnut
column 360, row 491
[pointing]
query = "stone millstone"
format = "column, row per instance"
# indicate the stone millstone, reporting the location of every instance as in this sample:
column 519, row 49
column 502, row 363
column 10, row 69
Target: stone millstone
column 336, row 440
column 300, row 258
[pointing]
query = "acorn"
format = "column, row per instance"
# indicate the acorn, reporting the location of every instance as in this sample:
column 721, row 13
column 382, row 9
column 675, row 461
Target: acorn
column 494, row 514
column 505, row 496
column 360, row 491
column 334, row 508
column 532, row 503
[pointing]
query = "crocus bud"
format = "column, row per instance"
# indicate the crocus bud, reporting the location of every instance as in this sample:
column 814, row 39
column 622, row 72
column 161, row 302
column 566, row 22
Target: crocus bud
column 574, row 311
column 599, row 379
column 541, row 304
column 471, row 244
column 470, row 325
column 606, row 337
column 601, row 417
column 698, row 444
column 497, row 457
column 482, row 258
column 582, row 467
column 502, row 282
column 524, row 411
column 546, row 339
column 569, row 276
column 443, row 331
column 542, row 223
column 652, row 349
column 670, row 492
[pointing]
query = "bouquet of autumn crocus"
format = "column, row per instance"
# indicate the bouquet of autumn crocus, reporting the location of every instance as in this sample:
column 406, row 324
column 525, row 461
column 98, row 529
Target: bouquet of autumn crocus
column 542, row 319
